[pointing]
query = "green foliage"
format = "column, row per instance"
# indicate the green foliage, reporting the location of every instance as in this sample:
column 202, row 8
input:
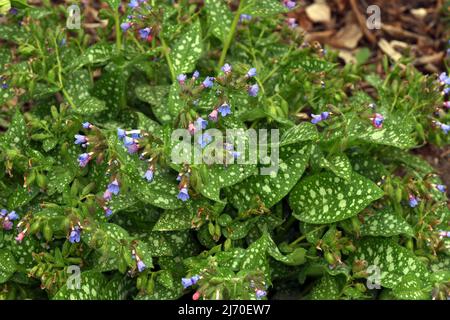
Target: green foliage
column 319, row 210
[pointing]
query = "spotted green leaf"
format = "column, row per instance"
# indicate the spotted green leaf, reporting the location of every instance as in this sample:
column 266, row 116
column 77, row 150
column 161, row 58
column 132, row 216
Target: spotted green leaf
column 310, row 64
column 385, row 223
column 326, row 288
column 175, row 104
column 326, row 198
column 339, row 165
column 302, row 132
column 262, row 8
column 114, row 4
column 156, row 96
column 393, row 133
column 92, row 287
column 187, row 50
column 59, row 179
column 220, row 18
column 179, row 219
column 270, row 189
column 368, row 167
column 12, row 33
column 16, row 136
column 7, row 265
column 96, row 54
column 77, row 85
column 393, row 260
column 90, row 106
column 220, row 177
column 411, row 287
column 22, row 196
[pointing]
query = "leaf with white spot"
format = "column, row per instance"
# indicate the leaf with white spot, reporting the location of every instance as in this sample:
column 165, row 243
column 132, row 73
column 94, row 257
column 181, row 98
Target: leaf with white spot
column 385, row 223
column 339, row 165
column 188, row 49
column 93, row 286
column 111, row 88
column 327, row 198
column 109, row 253
column 156, row 96
column 264, row 8
column 175, row 104
column 149, row 125
column 12, row 33
column 7, row 265
column 239, row 229
column 393, row 260
column 16, row 136
column 411, row 287
column 90, row 106
column 59, row 178
column 22, row 196
column 94, row 55
column 368, row 167
column 303, row 132
column 393, row 133
column 179, row 219
column 270, row 189
column 326, row 288
column 220, row 177
column 220, row 18
column 412, row 161
column 309, row 64
column 77, row 85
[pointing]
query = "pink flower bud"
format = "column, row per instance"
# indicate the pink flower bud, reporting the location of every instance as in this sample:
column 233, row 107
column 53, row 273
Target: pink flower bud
column 196, row 296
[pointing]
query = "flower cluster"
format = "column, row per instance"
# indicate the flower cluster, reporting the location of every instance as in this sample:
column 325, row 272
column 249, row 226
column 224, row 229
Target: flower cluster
column 187, row 282
column 140, row 11
column 84, row 141
column 7, row 218
column 444, row 82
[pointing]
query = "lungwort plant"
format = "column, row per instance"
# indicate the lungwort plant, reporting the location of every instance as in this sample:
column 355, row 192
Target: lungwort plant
column 94, row 205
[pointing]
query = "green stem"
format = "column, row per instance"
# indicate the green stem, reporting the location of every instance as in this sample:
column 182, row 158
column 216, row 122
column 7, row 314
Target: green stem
column 231, row 34
column 118, row 31
column 304, row 236
column 167, row 56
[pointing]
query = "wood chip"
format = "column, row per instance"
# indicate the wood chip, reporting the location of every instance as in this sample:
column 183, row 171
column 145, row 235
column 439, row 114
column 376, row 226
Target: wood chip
column 319, row 12
column 348, row 37
column 389, row 50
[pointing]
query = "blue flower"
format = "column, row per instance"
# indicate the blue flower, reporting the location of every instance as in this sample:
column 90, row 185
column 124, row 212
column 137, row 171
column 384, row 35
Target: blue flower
column 251, row 73
column 132, row 148
column 75, row 235
column 125, row 26
column 141, row 265
column 442, row 188
column 149, row 174
column 13, row 216
column 5, row 86
column 195, row 279
column 224, row 109
column 113, row 187
column 121, row 133
column 226, row 68
column 445, row 128
column 413, row 202
column 253, row 90
column 184, row 194
column 444, row 79
column 133, row 4
column 186, row 282
column 289, row 4
column 245, row 17
column 135, row 134
column 87, row 125
column 63, row 42
column 128, row 141
column 316, row 118
column 260, row 294
column 3, row 212
column 144, row 33
column 83, row 159
column 208, row 82
column 201, row 123
column 378, row 120
column 80, row 139
column 108, row 212
column 204, row 139
column 181, row 78
column 195, row 75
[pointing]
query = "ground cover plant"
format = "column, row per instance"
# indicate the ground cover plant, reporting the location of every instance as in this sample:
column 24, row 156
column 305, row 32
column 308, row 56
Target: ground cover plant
column 93, row 205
